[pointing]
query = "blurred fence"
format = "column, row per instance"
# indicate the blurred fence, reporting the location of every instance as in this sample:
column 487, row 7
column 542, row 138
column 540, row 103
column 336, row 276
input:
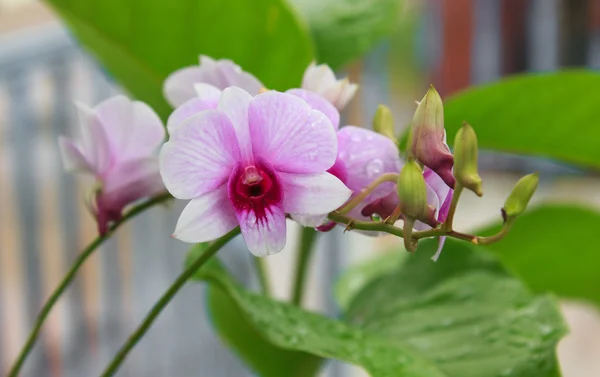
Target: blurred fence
column 43, row 224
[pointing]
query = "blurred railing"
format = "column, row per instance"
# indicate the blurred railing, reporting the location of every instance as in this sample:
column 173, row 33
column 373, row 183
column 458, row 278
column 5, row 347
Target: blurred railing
column 43, row 226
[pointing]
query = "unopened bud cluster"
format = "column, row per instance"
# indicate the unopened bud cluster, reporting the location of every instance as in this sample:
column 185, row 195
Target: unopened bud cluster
column 430, row 182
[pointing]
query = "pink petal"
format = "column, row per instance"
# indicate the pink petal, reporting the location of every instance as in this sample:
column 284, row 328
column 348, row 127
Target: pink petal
column 178, row 87
column 95, row 145
column 123, row 186
column 439, row 194
column 441, row 241
column 318, row 78
column 208, row 98
column 200, row 155
column 233, row 75
column 234, row 102
column 317, row 102
column 72, row 157
column 311, row 221
column 312, row 194
column 132, row 128
column 290, row 135
column 263, row 235
column 206, row 217
column 366, row 156
column 341, row 93
column 141, row 172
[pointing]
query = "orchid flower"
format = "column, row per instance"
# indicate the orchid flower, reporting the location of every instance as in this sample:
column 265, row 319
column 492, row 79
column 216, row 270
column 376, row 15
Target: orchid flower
column 179, row 86
column 248, row 163
column 363, row 155
column 321, row 80
column 118, row 140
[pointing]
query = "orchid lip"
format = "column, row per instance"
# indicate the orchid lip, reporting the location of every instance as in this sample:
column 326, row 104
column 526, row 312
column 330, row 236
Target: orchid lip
column 254, row 188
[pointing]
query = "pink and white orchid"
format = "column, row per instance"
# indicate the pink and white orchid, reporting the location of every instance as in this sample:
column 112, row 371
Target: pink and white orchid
column 179, row 86
column 119, row 138
column 321, row 80
column 249, row 162
column 363, row 155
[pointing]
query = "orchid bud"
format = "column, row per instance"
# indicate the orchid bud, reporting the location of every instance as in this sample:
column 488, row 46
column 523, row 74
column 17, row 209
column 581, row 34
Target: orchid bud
column 465, row 159
column 428, row 144
column 383, row 122
column 412, row 192
column 521, row 195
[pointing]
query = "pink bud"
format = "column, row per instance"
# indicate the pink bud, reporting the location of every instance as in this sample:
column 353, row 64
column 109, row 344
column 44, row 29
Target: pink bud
column 428, row 137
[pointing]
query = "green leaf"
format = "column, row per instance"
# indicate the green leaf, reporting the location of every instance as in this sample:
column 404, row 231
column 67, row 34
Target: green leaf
column 262, row 356
column 554, row 248
column 467, row 317
column 261, row 329
column 550, row 115
column 465, row 313
column 345, row 29
column 353, row 280
column 141, row 42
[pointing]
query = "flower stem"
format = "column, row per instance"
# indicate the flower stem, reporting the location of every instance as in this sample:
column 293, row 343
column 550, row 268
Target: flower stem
column 387, row 177
column 498, row 236
column 263, row 276
column 447, row 226
column 305, row 248
column 83, row 256
column 380, row 226
column 135, row 337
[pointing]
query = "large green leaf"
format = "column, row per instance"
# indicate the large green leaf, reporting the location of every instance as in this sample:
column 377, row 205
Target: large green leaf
column 141, row 41
column 553, row 115
column 345, row 29
column 555, row 248
column 465, row 313
column 269, row 329
column 355, row 278
column 468, row 319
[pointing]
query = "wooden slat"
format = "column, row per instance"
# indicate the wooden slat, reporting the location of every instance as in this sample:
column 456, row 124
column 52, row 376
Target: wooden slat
column 457, row 33
column 22, row 127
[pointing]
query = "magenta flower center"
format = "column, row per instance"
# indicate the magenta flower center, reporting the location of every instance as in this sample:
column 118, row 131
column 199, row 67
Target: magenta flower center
column 253, row 183
column 254, row 188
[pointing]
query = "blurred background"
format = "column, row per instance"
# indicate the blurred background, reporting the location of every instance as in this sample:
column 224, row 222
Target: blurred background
column 44, row 224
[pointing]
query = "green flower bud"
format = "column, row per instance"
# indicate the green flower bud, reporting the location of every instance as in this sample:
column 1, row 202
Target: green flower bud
column 521, row 195
column 427, row 140
column 383, row 122
column 412, row 192
column 465, row 159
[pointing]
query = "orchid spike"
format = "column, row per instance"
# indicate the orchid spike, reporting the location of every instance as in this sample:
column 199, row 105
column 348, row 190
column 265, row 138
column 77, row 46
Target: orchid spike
column 248, row 163
column 119, row 138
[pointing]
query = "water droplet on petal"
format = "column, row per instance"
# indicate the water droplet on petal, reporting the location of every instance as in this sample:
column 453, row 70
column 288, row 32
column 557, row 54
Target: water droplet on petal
column 313, row 155
column 374, row 168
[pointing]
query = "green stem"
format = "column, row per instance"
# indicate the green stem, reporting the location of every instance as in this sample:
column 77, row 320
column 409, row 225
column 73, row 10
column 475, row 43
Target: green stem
column 496, row 237
column 447, row 226
column 263, row 275
column 375, row 226
column 305, row 248
column 83, row 256
column 409, row 245
column 135, row 337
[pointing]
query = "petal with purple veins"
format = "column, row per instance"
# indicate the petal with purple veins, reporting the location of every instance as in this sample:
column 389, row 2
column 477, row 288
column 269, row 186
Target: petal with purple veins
column 290, row 135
